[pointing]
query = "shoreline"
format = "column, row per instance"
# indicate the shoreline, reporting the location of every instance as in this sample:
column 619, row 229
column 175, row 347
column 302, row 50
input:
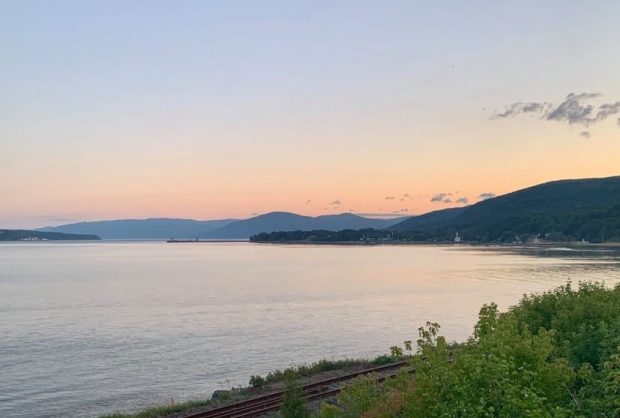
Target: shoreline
column 542, row 245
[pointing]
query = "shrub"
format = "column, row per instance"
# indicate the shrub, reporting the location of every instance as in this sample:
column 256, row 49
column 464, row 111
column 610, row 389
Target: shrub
column 556, row 354
column 294, row 405
column 257, row 381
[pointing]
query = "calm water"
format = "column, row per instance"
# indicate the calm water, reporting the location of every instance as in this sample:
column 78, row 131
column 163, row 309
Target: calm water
column 92, row 328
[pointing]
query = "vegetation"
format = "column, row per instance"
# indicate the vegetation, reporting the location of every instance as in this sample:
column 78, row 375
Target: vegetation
column 164, row 411
column 555, row 354
column 321, row 235
column 552, row 355
column 318, row 367
column 293, row 403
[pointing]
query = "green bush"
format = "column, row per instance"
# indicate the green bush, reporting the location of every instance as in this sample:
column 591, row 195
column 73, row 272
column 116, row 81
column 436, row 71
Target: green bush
column 556, row 354
column 257, row 381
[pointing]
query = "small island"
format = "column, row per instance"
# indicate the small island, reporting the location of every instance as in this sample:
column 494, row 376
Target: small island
column 28, row 235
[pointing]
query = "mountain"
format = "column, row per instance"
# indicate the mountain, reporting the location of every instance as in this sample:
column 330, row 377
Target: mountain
column 163, row 228
column 27, row 235
column 431, row 218
column 286, row 221
column 565, row 209
column 154, row 228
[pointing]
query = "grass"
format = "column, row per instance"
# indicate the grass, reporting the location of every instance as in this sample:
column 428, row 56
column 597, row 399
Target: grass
column 163, row 411
column 257, row 381
column 318, row 367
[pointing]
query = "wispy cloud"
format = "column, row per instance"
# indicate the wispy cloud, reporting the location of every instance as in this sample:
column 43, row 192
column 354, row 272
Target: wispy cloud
column 574, row 109
column 336, row 202
column 608, row 109
column 442, row 197
column 486, row 195
column 462, row 200
column 389, row 198
column 308, row 201
column 585, row 134
column 519, row 107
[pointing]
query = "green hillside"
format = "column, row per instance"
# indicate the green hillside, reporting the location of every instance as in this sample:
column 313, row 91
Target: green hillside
column 560, row 210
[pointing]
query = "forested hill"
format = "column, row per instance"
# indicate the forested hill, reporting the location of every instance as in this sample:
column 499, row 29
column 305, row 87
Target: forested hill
column 559, row 210
column 27, row 235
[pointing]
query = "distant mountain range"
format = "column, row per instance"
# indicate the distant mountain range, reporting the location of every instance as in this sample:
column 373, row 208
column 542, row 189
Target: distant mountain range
column 154, row 228
column 559, row 210
column 162, row 228
column 566, row 209
column 27, row 235
column 286, row 221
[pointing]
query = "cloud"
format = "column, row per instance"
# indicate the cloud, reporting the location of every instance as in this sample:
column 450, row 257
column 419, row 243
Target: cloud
column 462, row 200
column 403, row 210
column 439, row 197
column 336, row 202
column 308, row 201
column 574, row 109
column 406, row 196
column 486, row 195
column 585, row 134
column 519, row 107
column 607, row 109
column 389, row 198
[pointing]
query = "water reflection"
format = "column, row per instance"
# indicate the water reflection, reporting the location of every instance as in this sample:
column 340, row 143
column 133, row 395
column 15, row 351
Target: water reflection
column 92, row 328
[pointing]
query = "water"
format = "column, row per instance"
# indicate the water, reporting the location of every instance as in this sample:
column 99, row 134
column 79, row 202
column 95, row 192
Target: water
column 92, row 328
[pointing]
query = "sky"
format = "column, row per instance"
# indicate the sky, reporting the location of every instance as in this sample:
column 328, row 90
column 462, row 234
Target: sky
column 219, row 109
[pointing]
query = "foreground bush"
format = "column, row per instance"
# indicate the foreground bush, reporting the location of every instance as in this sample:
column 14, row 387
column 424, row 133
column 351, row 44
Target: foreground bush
column 553, row 355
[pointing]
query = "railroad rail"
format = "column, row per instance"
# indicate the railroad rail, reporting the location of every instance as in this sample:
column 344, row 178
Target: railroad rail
column 260, row 405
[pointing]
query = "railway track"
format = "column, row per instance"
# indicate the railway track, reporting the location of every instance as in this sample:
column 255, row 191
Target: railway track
column 258, row 406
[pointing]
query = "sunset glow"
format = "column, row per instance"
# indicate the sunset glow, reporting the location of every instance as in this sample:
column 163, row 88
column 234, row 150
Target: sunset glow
column 227, row 109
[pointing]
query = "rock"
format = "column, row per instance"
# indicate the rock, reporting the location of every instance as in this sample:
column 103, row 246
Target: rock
column 220, row 395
